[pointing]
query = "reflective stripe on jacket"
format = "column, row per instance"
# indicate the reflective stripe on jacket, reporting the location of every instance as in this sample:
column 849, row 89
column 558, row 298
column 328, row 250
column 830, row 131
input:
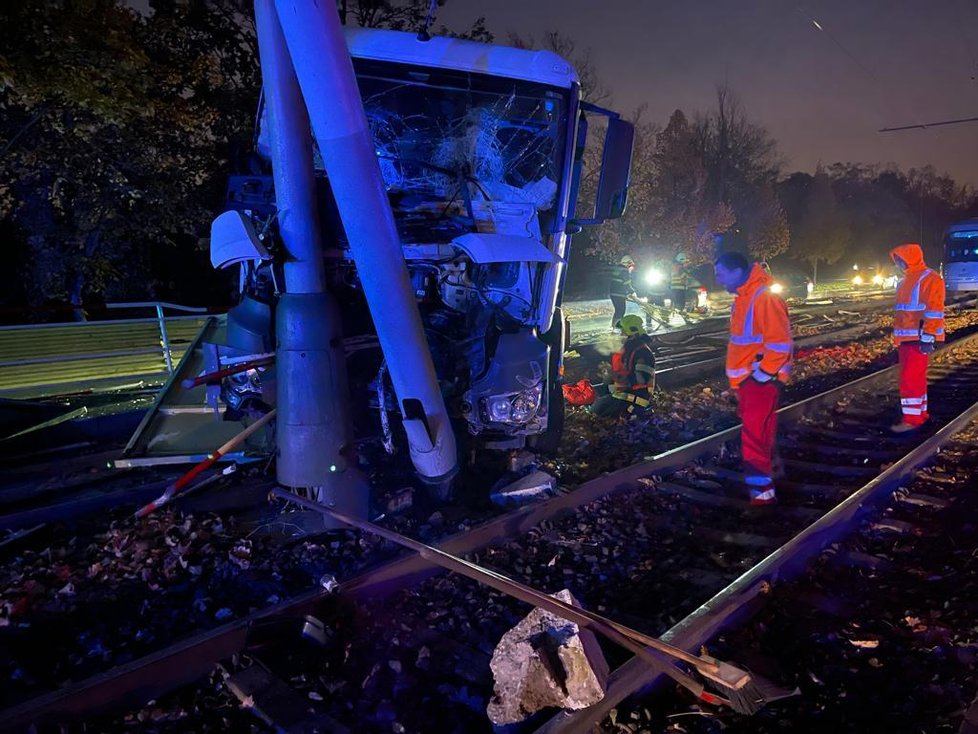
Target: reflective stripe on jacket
column 760, row 332
column 634, row 365
column 620, row 283
column 918, row 314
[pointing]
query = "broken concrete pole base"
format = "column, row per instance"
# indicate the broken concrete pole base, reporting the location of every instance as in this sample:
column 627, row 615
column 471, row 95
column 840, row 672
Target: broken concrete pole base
column 546, row 661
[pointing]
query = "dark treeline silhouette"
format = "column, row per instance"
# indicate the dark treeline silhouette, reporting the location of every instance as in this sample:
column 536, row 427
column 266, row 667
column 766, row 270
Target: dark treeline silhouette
column 120, row 128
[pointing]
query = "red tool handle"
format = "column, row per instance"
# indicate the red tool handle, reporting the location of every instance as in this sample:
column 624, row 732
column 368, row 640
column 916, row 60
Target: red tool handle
column 174, row 489
column 234, row 369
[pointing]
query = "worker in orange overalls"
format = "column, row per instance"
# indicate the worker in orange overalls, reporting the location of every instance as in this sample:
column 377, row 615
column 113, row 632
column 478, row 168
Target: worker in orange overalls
column 918, row 323
column 758, row 363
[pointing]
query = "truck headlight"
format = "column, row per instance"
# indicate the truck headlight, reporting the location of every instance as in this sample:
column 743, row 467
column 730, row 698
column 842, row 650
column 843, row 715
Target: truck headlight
column 777, row 289
column 517, row 407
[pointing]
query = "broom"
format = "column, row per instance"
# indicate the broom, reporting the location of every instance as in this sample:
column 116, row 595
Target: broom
column 740, row 691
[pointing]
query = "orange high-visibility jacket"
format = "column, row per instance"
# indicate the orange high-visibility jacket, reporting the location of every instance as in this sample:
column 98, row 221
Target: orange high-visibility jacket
column 919, row 311
column 760, row 333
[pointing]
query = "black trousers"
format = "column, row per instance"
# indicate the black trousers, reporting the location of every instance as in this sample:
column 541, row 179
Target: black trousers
column 619, row 303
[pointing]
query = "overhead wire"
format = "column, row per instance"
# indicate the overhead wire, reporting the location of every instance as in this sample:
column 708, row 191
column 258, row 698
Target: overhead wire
column 882, row 96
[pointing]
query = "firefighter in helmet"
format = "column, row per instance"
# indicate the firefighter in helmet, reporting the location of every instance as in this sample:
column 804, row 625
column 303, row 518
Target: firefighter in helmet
column 620, row 288
column 633, row 368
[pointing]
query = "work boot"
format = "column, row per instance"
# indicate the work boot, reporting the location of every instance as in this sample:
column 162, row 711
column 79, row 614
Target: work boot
column 762, row 498
column 904, row 427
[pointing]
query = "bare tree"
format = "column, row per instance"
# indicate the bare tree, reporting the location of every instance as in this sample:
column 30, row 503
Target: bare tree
column 593, row 88
column 403, row 15
column 739, row 155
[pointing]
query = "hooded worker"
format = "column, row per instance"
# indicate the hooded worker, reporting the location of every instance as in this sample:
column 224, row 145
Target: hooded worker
column 621, row 289
column 758, row 362
column 633, row 369
column 918, row 324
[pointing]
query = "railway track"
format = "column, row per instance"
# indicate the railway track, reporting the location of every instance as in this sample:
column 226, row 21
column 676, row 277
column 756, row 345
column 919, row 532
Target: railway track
column 684, row 498
column 694, row 353
column 877, row 632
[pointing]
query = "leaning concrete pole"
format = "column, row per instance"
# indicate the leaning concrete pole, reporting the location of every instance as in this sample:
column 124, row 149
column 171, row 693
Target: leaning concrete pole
column 325, row 72
column 313, row 428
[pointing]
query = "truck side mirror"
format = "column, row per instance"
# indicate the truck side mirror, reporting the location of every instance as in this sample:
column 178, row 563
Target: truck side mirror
column 611, row 196
column 616, row 164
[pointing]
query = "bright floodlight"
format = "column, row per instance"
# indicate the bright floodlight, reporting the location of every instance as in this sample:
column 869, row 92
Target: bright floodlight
column 858, row 280
column 777, row 289
column 654, row 276
column 877, row 279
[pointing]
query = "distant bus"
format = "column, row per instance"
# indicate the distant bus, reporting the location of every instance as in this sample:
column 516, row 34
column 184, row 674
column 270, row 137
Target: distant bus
column 961, row 256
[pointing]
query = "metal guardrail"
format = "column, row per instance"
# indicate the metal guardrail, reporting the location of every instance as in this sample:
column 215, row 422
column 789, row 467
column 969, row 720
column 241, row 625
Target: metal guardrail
column 38, row 360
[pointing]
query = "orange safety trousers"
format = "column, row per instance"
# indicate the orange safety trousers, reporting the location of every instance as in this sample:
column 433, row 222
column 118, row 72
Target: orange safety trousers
column 757, row 404
column 913, row 384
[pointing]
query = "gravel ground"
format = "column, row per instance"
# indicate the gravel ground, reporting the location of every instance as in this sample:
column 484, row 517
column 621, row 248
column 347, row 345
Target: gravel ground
column 892, row 648
column 180, row 574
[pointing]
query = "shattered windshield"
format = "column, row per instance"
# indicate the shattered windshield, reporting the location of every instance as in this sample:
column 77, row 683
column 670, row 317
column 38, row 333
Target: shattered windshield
column 454, row 145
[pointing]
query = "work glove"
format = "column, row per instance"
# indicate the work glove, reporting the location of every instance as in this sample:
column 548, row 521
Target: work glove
column 643, row 299
column 926, row 347
column 761, row 376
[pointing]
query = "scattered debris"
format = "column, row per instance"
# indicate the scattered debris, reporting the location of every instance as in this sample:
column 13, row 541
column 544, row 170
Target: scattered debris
column 533, row 487
column 546, row 661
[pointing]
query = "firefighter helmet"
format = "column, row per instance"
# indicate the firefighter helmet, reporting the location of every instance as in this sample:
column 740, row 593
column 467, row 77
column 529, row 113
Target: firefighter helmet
column 627, row 260
column 631, row 325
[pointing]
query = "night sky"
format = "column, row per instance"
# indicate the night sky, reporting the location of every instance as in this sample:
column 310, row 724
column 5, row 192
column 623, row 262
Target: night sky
column 822, row 94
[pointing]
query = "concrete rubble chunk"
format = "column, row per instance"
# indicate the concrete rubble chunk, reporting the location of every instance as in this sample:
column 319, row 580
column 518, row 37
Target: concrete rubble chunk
column 534, row 486
column 546, row 661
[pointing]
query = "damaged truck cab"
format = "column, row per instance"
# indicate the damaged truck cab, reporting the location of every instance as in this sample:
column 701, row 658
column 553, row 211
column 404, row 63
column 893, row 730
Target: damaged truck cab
column 481, row 151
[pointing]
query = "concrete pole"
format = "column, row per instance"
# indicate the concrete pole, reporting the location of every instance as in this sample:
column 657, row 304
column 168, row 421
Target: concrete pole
column 313, row 428
column 325, row 73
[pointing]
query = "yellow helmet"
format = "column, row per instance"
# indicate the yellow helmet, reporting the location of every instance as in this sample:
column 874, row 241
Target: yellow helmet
column 631, row 325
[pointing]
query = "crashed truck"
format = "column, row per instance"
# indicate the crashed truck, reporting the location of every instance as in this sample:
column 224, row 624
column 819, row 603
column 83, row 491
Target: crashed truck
column 401, row 240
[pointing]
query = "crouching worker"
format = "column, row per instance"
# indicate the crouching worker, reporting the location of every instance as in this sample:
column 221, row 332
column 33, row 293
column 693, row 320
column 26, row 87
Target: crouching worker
column 758, row 362
column 634, row 372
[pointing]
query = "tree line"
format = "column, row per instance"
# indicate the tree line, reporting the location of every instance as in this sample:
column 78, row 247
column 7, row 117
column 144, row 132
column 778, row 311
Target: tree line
column 120, row 126
column 716, row 179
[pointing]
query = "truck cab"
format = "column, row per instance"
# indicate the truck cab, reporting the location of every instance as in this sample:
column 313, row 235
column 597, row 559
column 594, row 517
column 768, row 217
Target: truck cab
column 481, row 151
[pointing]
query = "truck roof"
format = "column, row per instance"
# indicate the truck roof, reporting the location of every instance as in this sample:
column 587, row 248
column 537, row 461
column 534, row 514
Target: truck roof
column 544, row 67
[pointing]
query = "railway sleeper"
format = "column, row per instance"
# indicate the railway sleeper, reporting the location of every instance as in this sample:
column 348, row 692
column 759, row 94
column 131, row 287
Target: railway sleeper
column 855, row 453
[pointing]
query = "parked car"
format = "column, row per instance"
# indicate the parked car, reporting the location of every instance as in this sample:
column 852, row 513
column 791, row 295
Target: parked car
column 791, row 284
column 874, row 278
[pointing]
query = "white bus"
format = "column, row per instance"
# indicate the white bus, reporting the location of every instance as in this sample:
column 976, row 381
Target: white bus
column 961, row 256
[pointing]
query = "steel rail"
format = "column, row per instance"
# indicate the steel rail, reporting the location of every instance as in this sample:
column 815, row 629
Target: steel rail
column 158, row 673
column 735, row 602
